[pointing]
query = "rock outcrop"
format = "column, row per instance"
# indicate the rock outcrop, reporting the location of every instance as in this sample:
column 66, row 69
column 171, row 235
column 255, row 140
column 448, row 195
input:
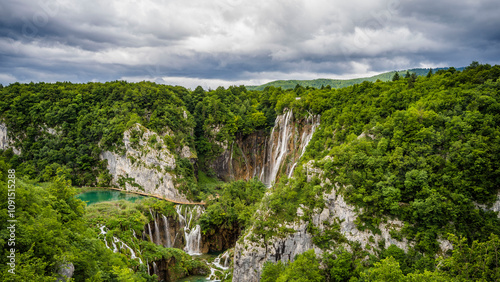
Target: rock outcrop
column 146, row 166
column 5, row 141
column 250, row 256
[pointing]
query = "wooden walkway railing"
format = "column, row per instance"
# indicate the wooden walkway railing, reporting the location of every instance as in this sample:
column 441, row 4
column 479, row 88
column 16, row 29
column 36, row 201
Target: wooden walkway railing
column 150, row 195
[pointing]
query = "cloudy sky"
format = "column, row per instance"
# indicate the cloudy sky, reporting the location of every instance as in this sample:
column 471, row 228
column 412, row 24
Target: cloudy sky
column 226, row 42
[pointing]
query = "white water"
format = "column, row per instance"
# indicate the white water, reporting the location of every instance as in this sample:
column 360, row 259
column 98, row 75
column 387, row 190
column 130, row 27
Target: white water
column 220, row 263
column 193, row 240
column 117, row 240
column 192, row 236
column 157, row 229
column 167, row 232
column 306, row 138
column 104, row 233
column 277, row 145
column 157, row 232
column 278, row 152
column 150, row 235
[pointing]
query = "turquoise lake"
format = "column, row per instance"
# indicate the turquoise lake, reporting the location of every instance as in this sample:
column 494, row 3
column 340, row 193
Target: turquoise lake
column 97, row 196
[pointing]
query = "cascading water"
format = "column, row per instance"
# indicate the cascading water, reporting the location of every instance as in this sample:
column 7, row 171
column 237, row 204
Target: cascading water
column 193, row 240
column 278, row 152
column 157, row 229
column 115, row 241
column 103, row 232
column 306, row 138
column 115, row 248
column 150, row 233
column 167, row 232
column 192, row 236
column 220, row 263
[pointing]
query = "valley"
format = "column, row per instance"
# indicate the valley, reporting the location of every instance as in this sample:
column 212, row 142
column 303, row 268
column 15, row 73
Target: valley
column 380, row 179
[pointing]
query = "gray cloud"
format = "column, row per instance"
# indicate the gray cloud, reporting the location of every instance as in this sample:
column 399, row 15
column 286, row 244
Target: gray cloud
column 239, row 41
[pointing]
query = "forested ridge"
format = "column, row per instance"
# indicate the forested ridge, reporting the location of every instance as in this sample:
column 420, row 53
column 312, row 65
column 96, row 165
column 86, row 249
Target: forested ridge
column 422, row 149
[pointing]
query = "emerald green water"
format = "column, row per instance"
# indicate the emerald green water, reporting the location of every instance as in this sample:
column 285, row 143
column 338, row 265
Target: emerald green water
column 97, row 196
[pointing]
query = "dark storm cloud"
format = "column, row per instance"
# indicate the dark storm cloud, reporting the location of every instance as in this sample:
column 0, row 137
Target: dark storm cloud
column 239, row 41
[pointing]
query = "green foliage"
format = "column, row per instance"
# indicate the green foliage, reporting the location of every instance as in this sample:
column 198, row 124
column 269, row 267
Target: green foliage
column 478, row 261
column 234, row 206
column 271, row 271
column 305, row 268
column 385, row 270
column 70, row 124
column 50, row 231
column 337, row 83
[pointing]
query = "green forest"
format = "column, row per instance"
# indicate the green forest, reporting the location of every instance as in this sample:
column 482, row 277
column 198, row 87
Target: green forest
column 424, row 149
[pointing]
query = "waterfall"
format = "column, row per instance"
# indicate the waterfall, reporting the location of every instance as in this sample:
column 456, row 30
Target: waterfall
column 278, row 152
column 167, row 232
column 193, row 240
column 157, row 232
column 192, row 236
column 123, row 244
column 157, row 229
column 306, row 138
column 216, row 265
column 104, row 233
column 182, row 219
column 150, row 235
column 115, row 240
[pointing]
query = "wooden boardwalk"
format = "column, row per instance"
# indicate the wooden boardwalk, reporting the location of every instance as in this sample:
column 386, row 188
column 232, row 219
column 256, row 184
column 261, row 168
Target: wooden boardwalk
column 151, row 195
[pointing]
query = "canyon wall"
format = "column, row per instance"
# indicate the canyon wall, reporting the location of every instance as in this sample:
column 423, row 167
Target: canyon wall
column 250, row 255
column 267, row 156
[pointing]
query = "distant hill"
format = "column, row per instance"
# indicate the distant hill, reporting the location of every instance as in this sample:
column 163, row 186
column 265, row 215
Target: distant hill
column 340, row 83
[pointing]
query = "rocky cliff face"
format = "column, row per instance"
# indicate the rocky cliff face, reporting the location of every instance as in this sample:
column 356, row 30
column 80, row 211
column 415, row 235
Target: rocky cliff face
column 250, row 256
column 267, row 156
column 5, row 141
column 146, row 166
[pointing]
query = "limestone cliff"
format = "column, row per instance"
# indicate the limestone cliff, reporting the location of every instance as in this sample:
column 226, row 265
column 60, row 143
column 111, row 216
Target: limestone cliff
column 5, row 141
column 250, row 255
column 146, row 166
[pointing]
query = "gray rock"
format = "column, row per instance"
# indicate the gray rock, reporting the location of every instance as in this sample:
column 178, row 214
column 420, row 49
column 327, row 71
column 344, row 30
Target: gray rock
column 66, row 271
column 249, row 257
column 149, row 167
column 5, row 141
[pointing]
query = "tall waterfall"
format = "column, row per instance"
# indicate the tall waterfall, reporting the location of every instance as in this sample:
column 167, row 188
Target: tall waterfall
column 157, row 229
column 306, row 138
column 277, row 149
column 283, row 142
column 167, row 232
